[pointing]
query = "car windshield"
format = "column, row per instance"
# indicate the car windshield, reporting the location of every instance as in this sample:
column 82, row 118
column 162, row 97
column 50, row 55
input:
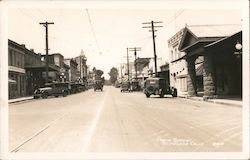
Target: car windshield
column 152, row 82
column 47, row 85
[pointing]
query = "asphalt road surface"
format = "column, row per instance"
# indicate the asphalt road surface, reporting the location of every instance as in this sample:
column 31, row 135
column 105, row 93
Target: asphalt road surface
column 111, row 121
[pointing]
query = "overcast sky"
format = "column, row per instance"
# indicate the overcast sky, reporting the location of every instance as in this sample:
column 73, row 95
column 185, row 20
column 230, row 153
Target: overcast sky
column 105, row 34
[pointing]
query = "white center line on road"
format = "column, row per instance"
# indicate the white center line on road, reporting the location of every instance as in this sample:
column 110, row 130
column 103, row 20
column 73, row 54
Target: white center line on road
column 91, row 130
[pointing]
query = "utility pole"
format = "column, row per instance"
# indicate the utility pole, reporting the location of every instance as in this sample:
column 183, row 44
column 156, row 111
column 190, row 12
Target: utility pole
column 45, row 24
column 135, row 49
column 121, row 67
column 152, row 26
column 81, row 68
column 128, row 64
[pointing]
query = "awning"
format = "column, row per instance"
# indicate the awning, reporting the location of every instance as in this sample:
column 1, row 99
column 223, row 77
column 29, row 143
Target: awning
column 42, row 67
column 11, row 81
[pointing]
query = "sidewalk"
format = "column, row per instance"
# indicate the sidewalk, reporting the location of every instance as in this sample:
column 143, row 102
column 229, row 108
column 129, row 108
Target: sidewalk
column 231, row 101
column 20, row 99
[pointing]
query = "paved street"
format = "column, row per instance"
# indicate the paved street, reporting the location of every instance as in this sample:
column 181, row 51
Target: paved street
column 111, row 121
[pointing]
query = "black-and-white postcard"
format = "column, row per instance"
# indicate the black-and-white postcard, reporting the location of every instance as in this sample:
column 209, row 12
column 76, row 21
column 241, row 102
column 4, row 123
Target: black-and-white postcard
column 107, row 79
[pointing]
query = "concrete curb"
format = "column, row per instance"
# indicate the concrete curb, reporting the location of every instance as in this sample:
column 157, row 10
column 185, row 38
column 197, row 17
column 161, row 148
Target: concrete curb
column 215, row 101
column 225, row 103
column 20, row 100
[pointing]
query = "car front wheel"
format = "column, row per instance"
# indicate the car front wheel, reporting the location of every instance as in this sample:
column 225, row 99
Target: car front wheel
column 64, row 94
column 162, row 95
column 45, row 95
column 174, row 93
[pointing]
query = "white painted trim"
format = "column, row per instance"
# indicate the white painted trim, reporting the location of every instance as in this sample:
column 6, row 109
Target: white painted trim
column 16, row 69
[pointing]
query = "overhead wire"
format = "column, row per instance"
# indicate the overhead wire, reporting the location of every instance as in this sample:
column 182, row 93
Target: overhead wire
column 93, row 31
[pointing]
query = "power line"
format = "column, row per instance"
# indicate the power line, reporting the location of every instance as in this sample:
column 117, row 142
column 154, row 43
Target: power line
column 93, row 30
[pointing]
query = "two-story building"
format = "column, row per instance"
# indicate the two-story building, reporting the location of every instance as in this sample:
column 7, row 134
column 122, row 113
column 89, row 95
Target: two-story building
column 17, row 79
column 82, row 66
column 73, row 73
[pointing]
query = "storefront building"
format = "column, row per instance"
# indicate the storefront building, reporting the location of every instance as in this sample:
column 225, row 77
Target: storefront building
column 221, row 67
column 17, row 81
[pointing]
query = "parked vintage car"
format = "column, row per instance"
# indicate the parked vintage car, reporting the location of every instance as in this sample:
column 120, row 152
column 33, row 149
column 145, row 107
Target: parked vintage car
column 158, row 86
column 98, row 85
column 117, row 84
column 77, row 87
column 125, row 86
column 53, row 89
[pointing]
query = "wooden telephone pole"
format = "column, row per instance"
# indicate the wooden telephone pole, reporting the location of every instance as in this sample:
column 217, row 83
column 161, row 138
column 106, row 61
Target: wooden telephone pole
column 45, row 24
column 135, row 49
column 152, row 26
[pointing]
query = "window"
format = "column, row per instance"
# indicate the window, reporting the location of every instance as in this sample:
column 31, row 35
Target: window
column 10, row 57
column 172, row 55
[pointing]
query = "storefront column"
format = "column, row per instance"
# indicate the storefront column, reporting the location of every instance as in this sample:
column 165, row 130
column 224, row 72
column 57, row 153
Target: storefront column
column 208, row 77
column 191, row 77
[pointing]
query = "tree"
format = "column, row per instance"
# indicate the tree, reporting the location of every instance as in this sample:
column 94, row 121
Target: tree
column 141, row 63
column 98, row 73
column 113, row 75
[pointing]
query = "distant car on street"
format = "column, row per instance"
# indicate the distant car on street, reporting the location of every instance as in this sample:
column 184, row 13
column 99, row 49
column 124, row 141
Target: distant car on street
column 98, row 85
column 135, row 86
column 125, row 86
column 52, row 89
column 158, row 86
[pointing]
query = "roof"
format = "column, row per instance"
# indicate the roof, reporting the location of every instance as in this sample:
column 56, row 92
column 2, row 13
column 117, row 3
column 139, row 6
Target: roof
column 193, row 37
column 214, row 30
column 42, row 67
column 236, row 35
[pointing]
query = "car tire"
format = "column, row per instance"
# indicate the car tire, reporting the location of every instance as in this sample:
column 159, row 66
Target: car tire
column 161, row 95
column 64, row 94
column 45, row 95
column 35, row 97
column 174, row 93
column 147, row 95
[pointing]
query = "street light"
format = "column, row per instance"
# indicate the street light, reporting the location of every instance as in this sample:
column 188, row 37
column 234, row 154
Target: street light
column 62, row 77
column 238, row 47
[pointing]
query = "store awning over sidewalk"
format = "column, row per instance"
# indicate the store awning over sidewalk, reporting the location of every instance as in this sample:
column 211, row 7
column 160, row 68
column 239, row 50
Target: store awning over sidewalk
column 42, row 67
column 11, row 81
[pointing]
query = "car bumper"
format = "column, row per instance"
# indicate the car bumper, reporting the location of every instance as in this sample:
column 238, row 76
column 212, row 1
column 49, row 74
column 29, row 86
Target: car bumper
column 37, row 95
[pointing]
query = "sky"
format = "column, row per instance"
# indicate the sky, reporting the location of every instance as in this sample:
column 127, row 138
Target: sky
column 104, row 34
